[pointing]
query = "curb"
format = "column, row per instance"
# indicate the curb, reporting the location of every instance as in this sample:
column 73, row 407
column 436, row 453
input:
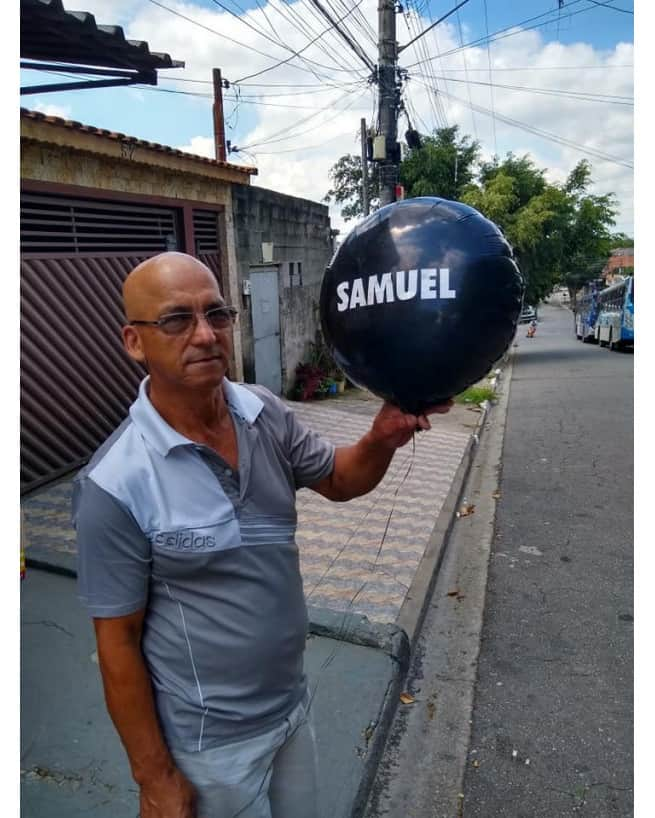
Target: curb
column 357, row 629
column 413, row 610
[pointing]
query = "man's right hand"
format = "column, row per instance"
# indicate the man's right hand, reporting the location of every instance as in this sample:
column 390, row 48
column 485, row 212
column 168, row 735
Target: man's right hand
column 169, row 795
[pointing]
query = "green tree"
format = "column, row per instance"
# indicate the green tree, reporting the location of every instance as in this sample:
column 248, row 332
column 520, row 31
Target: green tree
column 621, row 240
column 558, row 232
column 588, row 240
column 442, row 166
column 529, row 181
column 346, row 190
column 514, row 194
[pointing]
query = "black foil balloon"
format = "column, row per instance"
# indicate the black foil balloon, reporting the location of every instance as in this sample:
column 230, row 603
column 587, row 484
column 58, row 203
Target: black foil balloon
column 420, row 300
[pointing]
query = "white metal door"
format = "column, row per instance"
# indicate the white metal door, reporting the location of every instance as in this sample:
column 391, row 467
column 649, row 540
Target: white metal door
column 266, row 328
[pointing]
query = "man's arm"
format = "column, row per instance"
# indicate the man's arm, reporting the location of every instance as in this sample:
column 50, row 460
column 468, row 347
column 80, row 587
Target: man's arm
column 359, row 468
column 165, row 792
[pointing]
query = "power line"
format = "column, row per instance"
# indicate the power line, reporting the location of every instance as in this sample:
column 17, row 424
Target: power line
column 283, row 62
column 441, row 119
column 491, row 89
column 614, row 8
column 461, row 41
column 249, row 47
column 263, row 34
column 354, row 20
column 587, row 96
column 275, row 137
column 363, row 24
column 435, row 23
column 270, row 25
column 436, row 105
column 290, row 13
column 251, row 26
column 239, row 98
column 539, row 68
column 303, row 148
column 424, row 49
column 245, row 100
column 354, row 46
column 283, row 95
column 597, row 154
column 502, row 31
column 315, row 86
column 414, row 111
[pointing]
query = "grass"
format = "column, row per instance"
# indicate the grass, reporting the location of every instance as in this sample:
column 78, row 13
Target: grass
column 475, row 394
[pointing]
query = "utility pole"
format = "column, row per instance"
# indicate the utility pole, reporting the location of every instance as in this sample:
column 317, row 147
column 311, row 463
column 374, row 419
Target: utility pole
column 389, row 100
column 364, row 169
column 386, row 149
column 219, row 122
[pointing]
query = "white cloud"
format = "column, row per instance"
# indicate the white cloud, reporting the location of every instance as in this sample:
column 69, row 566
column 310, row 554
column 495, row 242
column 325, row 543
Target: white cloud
column 200, row 146
column 294, row 155
column 63, row 111
column 109, row 12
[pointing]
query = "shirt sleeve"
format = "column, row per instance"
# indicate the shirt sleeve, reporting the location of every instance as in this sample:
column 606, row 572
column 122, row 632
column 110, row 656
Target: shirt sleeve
column 113, row 554
column 311, row 456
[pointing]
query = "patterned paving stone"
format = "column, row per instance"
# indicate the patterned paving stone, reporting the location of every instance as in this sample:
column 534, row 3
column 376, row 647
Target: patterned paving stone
column 47, row 521
column 362, row 556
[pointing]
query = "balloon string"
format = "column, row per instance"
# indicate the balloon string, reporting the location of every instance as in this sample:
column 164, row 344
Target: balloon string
column 342, row 632
column 374, row 504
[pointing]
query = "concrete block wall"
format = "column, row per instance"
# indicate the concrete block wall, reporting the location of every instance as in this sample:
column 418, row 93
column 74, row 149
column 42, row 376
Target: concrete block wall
column 299, row 230
column 70, row 166
column 299, row 319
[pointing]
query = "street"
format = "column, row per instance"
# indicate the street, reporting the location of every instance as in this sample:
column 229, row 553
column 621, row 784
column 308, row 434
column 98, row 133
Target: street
column 540, row 722
column 555, row 673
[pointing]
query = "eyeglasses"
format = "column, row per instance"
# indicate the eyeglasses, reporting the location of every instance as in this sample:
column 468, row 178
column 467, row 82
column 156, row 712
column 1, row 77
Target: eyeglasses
column 176, row 323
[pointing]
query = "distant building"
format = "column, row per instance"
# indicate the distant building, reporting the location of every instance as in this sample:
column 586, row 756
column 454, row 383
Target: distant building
column 620, row 264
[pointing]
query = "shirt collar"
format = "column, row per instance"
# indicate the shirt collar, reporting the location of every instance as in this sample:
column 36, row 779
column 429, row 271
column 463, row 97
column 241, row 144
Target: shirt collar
column 242, row 400
column 163, row 437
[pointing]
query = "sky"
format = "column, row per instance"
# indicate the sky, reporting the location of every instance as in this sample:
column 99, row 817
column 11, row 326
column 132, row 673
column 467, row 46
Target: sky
column 295, row 120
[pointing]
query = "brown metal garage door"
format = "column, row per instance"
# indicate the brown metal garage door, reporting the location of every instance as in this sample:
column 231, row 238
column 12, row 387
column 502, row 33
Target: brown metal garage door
column 77, row 382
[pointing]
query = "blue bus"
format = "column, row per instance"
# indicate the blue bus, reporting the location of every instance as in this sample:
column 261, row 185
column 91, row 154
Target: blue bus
column 586, row 313
column 616, row 311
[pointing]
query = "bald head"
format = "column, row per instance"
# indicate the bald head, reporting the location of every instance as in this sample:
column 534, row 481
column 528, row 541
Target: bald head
column 157, row 280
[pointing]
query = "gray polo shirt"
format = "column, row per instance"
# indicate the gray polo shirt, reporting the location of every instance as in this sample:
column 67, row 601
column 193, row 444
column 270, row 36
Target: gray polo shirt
column 164, row 524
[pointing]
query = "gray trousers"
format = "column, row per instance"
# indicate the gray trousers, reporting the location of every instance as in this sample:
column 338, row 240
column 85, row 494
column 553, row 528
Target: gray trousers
column 273, row 775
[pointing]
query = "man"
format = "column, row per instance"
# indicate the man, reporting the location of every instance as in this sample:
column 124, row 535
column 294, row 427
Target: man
column 185, row 522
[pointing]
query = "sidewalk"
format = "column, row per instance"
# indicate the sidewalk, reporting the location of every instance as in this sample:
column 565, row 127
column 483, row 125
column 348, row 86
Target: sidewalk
column 367, row 568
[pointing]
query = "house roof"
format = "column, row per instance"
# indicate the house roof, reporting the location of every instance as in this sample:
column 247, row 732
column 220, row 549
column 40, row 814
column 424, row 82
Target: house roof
column 132, row 140
column 623, row 251
column 50, row 33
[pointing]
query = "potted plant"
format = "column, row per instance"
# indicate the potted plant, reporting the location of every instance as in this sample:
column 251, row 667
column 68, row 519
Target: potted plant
column 308, row 381
column 339, row 380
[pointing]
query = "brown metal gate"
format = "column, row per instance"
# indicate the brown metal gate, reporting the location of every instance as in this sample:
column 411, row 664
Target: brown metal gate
column 205, row 240
column 77, row 382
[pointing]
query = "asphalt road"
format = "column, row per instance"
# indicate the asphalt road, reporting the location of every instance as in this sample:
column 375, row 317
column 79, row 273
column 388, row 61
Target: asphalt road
column 521, row 678
column 552, row 720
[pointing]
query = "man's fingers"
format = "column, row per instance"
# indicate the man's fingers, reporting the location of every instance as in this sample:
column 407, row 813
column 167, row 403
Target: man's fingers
column 440, row 408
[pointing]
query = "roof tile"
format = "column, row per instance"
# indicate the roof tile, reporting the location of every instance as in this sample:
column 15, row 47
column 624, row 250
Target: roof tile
column 115, row 135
